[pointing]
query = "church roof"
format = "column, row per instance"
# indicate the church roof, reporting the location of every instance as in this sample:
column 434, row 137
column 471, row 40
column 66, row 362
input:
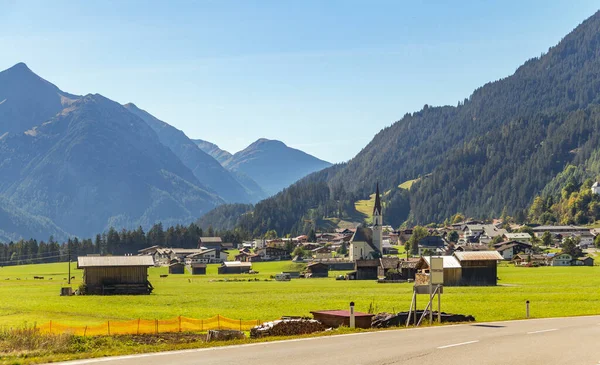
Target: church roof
column 377, row 208
column 364, row 234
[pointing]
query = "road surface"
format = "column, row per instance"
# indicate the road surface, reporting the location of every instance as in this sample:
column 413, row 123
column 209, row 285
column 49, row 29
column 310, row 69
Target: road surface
column 557, row 341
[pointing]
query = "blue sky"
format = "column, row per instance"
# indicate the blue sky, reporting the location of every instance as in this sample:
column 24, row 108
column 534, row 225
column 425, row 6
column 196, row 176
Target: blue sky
column 322, row 76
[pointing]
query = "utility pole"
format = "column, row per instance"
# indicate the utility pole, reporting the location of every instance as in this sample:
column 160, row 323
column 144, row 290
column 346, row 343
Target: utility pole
column 69, row 251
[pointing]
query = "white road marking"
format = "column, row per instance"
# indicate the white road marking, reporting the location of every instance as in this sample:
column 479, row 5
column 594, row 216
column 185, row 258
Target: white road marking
column 458, row 344
column 542, row 331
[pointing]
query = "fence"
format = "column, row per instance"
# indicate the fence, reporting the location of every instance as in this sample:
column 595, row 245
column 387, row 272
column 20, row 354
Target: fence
column 143, row 326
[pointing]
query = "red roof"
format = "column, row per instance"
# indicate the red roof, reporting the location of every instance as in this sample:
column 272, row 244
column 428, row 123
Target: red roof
column 343, row 313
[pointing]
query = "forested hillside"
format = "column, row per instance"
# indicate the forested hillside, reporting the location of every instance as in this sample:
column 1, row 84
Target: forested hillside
column 492, row 153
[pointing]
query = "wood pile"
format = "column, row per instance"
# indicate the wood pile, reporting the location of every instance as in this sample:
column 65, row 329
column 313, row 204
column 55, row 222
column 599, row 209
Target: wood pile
column 287, row 327
column 385, row 320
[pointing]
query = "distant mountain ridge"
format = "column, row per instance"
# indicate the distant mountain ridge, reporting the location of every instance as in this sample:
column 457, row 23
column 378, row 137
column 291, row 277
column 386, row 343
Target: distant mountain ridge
column 77, row 165
column 274, row 165
column 213, row 150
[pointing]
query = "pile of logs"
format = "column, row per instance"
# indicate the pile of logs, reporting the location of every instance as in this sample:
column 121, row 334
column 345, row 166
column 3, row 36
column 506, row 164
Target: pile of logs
column 287, row 327
column 385, row 320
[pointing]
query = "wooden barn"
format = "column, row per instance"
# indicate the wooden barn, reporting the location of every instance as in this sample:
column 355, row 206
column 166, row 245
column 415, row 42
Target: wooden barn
column 116, row 274
column 366, row 269
column 479, row 268
column 452, row 269
column 235, row 267
column 198, row 269
column 317, row 270
column 177, row 268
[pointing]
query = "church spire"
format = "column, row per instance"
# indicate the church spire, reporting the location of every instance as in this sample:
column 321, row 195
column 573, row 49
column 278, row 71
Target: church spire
column 377, row 208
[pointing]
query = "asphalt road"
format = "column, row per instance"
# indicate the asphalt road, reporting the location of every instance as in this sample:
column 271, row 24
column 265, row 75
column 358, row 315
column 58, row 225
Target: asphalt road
column 556, row 341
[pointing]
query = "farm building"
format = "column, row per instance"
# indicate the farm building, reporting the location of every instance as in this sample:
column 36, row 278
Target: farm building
column 317, row 270
column 584, row 261
column 177, row 268
column 452, row 269
column 198, row 269
column 366, row 269
column 479, row 268
column 116, row 274
column 408, row 268
column 526, row 260
column 560, row 259
column 235, row 267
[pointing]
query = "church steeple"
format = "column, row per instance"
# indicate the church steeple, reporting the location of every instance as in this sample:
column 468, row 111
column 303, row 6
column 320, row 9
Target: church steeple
column 377, row 208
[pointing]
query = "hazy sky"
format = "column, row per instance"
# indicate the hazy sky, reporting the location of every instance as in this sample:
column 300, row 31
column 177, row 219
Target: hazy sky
column 323, row 76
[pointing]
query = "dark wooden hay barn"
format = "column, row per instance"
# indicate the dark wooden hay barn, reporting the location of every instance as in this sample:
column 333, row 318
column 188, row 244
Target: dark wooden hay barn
column 176, row 268
column 198, row 269
column 479, row 268
column 367, row 269
column 234, row 267
column 116, row 274
column 317, row 270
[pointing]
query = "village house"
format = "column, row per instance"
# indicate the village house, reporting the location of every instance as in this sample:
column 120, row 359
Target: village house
column 408, row 267
column 562, row 230
column 509, row 249
column 520, row 237
column 161, row 256
column 321, row 253
column 211, row 256
column 272, row 253
column 116, row 274
column 248, row 257
column 529, row 259
column 388, row 249
column 584, row 261
column 431, row 244
column 586, row 238
column 560, row 259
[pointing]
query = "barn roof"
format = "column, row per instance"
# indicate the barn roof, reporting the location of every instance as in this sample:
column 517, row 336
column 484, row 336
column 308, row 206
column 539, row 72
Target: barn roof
column 449, row 262
column 103, row 261
column 478, row 256
column 210, row 240
column 236, row 264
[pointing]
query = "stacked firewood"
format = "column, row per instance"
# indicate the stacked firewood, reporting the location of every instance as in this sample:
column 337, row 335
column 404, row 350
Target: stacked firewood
column 287, row 327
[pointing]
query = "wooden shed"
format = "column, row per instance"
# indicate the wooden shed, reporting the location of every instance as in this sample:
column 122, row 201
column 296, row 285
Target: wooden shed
column 177, row 268
column 116, row 274
column 317, row 270
column 198, row 269
column 452, row 269
column 235, row 267
column 479, row 268
column 366, row 269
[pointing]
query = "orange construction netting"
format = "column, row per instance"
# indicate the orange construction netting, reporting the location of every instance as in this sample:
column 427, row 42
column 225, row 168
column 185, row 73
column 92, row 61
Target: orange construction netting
column 144, row 326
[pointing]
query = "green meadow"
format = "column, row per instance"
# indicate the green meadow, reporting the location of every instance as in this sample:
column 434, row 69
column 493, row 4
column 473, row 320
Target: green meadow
column 553, row 291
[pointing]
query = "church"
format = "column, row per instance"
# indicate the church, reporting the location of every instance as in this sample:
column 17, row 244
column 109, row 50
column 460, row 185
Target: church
column 366, row 243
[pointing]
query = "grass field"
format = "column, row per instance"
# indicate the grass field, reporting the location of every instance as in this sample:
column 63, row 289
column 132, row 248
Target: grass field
column 553, row 291
column 407, row 184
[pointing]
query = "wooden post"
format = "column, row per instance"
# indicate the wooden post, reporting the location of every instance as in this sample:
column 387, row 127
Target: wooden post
column 439, row 304
column 84, row 331
column 240, row 324
column 156, row 325
column 179, row 323
column 138, row 330
column 50, row 326
column 201, row 325
column 219, row 321
column 108, row 327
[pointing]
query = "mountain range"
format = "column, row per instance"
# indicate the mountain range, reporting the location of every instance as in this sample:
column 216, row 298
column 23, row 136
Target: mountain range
column 77, row 165
column 489, row 155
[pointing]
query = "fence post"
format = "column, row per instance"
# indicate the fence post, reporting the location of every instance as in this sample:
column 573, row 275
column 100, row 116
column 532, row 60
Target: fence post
column 108, row 327
column 156, row 325
column 201, row 325
column 84, row 331
column 138, row 330
column 240, row 324
column 219, row 321
column 179, row 323
column 50, row 326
